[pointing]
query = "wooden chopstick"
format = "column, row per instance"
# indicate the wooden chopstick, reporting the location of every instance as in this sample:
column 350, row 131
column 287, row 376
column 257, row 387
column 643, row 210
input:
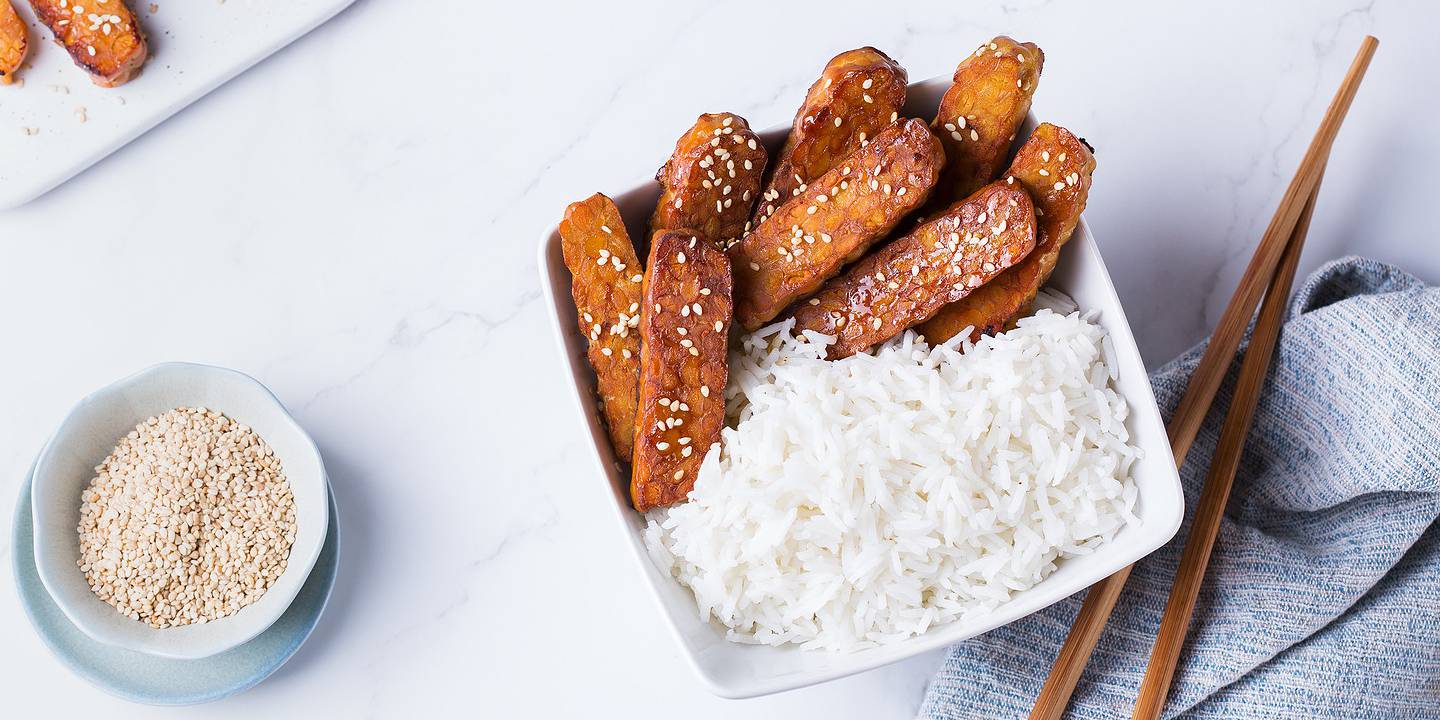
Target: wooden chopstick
column 1173, row 625
column 1085, row 631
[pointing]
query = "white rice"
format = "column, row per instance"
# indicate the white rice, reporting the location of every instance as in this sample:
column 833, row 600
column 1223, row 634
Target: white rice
column 861, row 502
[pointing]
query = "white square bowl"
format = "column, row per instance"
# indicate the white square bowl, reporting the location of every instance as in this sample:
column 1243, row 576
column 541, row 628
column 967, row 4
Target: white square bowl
column 737, row 671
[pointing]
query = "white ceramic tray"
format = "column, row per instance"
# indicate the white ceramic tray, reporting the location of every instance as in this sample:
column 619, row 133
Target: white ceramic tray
column 195, row 46
column 734, row 670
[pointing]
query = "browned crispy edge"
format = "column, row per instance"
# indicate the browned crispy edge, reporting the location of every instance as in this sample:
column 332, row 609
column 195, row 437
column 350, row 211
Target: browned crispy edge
column 980, row 113
column 813, row 235
column 711, row 181
column 684, row 328
column 911, row 278
column 113, row 58
column 1060, row 194
column 14, row 42
column 863, row 90
column 606, row 283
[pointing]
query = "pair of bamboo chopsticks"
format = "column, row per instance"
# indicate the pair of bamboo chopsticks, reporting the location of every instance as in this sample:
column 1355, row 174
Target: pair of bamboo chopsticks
column 1271, row 270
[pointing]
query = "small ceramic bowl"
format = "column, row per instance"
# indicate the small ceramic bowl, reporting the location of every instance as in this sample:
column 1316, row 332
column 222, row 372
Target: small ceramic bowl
column 86, row 437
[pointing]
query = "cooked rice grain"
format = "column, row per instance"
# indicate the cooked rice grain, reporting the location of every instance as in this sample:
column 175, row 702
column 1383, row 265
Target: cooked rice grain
column 864, row 501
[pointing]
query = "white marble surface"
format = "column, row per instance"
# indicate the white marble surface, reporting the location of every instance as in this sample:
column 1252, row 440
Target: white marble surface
column 360, row 235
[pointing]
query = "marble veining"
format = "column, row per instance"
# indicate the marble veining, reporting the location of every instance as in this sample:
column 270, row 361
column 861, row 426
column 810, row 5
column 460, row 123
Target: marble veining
column 361, row 237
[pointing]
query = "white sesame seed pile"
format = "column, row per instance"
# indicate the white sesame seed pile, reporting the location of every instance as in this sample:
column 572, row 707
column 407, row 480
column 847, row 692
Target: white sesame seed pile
column 189, row 519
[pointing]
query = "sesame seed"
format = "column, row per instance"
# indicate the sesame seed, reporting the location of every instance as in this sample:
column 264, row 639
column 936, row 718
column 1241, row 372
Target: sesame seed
column 719, row 326
column 755, row 266
column 1045, row 155
column 868, row 82
column 680, row 258
column 662, row 446
column 1044, row 172
column 694, row 352
column 974, row 135
column 698, row 310
column 837, row 120
column 1059, row 186
column 814, row 301
column 875, row 323
column 958, row 137
column 679, row 474
column 960, row 121
column 685, row 452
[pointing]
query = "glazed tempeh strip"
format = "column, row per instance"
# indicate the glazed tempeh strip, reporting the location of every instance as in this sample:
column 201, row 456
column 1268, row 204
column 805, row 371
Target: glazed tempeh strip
column 102, row 36
column 859, row 94
column 811, row 237
column 1055, row 167
column 711, row 181
column 684, row 326
column 980, row 114
column 14, row 42
column 910, row 279
column 607, row 283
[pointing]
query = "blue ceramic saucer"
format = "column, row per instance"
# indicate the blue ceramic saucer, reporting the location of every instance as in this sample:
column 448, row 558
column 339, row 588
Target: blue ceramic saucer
column 159, row 681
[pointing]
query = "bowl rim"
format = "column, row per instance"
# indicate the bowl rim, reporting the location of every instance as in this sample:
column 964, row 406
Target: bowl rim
column 560, row 306
column 301, row 560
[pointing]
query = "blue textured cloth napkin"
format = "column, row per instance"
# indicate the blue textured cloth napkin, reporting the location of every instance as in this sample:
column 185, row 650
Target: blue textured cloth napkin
column 1322, row 598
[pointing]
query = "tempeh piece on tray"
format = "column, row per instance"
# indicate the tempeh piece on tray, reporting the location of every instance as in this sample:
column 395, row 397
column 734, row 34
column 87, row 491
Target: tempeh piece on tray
column 607, row 283
column 859, row 93
column 913, row 277
column 684, row 326
column 14, row 42
column 1055, row 167
column 103, row 37
column 980, row 114
column 840, row 215
column 712, row 180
